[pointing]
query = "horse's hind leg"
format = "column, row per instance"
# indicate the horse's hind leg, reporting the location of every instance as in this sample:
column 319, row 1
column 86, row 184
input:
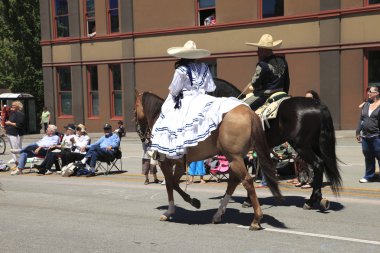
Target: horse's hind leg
column 167, row 170
column 312, row 159
column 233, row 182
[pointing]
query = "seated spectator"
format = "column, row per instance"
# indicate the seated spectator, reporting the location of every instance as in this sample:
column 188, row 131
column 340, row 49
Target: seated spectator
column 40, row 148
column 78, row 151
column 104, row 150
column 121, row 129
column 52, row 155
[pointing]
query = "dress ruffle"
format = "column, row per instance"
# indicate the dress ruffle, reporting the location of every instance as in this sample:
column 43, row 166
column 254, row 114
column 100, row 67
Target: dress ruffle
column 199, row 115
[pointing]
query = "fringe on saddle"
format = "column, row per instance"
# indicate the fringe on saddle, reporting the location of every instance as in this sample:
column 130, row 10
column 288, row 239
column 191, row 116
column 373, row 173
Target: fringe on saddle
column 270, row 108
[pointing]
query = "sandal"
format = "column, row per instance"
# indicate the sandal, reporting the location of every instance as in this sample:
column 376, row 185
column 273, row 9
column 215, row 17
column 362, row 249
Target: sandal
column 306, row 186
column 146, row 181
column 298, row 185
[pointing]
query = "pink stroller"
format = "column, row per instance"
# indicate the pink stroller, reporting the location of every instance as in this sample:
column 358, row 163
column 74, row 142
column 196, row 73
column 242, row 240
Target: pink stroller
column 218, row 168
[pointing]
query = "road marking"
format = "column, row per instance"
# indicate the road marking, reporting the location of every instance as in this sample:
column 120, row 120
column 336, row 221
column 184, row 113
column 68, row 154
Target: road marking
column 317, row 235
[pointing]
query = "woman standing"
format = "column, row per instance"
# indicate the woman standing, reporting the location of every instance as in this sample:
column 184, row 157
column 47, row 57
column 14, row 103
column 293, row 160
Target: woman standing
column 14, row 127
column 368, row 132
column 45, row 118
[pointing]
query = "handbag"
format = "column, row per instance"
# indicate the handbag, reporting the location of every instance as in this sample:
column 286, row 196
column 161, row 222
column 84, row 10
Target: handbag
column 68, row 170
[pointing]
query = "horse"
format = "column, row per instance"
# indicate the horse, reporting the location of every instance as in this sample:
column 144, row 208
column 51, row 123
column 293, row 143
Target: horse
column 306, row 124
column 239, row 131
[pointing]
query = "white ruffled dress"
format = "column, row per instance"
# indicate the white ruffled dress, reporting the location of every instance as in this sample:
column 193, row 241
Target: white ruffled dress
column 198, row 116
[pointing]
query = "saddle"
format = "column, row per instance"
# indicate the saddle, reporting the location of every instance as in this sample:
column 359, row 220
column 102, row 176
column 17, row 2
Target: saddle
column 270, row 108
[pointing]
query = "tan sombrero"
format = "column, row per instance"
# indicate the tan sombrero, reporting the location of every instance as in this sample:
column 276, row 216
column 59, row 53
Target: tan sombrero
column 266, row 41
column 188, row 51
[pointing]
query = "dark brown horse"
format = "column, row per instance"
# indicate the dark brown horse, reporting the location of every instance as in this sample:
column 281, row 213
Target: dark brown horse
column 306, row 124
column 239, row 131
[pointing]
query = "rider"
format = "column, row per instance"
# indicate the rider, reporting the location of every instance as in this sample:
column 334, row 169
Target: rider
column 271, row 74
column 188, row 114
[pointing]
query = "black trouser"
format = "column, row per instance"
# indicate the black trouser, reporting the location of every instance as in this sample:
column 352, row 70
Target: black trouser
column 50, row 159
column 69, row 157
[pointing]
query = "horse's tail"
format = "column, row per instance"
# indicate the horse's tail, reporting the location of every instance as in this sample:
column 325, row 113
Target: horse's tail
column 265, row 162
column 327, row 147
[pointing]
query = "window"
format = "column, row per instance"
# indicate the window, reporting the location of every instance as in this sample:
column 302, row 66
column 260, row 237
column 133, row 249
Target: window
column 374, row 2
column 90, row 29
column 64, row 91
column 374, row 68
column 113, row 16
column 116, row 92
column 272, row 8
column 61, row 19
column 206, row 12
column 93, row 91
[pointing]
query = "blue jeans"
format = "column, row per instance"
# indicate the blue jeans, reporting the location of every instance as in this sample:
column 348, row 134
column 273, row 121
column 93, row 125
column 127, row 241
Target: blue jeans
column 371, row 151
column 28, row 151
column 96, row 153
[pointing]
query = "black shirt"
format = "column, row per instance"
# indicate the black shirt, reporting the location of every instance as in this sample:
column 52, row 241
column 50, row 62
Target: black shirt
column 18, row 118
column 369, row 125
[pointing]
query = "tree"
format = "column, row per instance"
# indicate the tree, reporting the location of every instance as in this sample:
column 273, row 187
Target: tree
column 20, row 51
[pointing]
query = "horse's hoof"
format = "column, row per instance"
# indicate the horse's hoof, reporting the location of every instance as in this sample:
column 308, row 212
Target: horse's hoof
column 164, row 218
column 325, row 204
column 255, row 227
column 215, row 222
column 306, row 206
column 195, row 203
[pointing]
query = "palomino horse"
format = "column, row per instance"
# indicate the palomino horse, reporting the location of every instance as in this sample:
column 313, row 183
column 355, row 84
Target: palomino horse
column 306, row 124
column 239, row 131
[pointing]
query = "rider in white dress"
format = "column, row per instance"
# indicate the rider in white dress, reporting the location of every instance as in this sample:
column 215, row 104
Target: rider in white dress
column 189, row 115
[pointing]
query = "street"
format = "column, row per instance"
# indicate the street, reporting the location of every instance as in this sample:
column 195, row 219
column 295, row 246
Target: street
column 118, row 213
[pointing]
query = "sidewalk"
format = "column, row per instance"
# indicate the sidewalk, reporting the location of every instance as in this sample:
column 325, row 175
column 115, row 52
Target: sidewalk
column 348, row 151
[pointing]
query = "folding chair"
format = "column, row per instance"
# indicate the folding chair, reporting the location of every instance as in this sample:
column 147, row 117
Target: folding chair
column 220, row 170
column 108, row 165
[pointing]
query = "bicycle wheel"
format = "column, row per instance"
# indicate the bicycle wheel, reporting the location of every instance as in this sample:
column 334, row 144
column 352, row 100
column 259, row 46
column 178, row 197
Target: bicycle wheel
column 2, row 145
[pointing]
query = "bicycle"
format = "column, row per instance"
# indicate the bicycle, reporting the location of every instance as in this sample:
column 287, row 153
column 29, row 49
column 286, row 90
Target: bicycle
column 2, row 142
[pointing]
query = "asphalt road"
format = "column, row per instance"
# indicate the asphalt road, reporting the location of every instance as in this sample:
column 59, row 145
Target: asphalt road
column 117, row 213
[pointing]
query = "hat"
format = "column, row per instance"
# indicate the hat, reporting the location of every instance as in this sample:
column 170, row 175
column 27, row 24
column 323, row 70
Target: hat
column 70, row 126
column 266, row 41
column 82, row 128
column 188, row 51
column 107, row 126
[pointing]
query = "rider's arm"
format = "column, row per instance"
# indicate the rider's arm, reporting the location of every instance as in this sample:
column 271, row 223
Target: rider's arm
column 256, row 79
column 177, row 83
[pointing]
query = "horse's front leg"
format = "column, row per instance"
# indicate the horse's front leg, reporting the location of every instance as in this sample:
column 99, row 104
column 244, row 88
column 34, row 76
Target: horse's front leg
column 166, row 167
column 178, row 173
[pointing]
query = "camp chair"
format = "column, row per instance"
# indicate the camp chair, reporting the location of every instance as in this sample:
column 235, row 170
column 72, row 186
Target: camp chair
column 107, row 165
column 220, row 170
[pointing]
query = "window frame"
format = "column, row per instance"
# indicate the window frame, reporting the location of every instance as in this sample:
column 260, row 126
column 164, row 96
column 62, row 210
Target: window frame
column 87, row 18
column 55, row 20
column 198, row 10
column 113, row 92
column 90, row 93
column 366, row 69
column 366, row 3
column 109, row 23
column 60, row 93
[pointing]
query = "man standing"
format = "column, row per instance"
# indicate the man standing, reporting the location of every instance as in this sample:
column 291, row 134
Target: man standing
column 271, row 73
column 104, row 149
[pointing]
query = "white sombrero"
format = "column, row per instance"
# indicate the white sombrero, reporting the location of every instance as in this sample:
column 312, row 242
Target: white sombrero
column 188, row 51
column 266, row 41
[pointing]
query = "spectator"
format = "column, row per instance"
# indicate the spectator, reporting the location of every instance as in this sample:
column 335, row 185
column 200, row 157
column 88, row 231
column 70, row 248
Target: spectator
column 41, row 148
column 120, row 129
column 197, row 169
column 368, row 133
column 4, row 115
column 78, row 151
column 149, row 165
column 52, row 155
column 14, row 127
column 104, row 149
column 210, row 20
column 271, row 74
column 45, row 118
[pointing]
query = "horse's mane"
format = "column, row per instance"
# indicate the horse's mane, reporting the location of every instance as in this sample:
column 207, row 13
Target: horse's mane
column 224, row 89
column 152, row 106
